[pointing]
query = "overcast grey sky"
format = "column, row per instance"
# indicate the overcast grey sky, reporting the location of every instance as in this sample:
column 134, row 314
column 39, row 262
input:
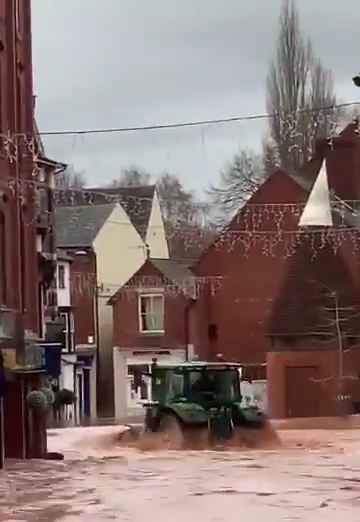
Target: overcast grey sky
column 111, row 63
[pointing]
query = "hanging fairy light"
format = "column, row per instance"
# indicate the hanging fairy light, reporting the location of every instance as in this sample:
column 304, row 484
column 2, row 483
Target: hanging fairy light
column 271, row 226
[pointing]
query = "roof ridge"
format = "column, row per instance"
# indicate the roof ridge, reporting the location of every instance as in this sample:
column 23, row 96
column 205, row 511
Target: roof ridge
column 132, row 187
column 64, row 207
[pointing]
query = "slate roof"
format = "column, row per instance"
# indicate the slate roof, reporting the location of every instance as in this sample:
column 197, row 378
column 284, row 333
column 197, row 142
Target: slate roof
column 78, row 226
column 136, row 201
column 174, row 270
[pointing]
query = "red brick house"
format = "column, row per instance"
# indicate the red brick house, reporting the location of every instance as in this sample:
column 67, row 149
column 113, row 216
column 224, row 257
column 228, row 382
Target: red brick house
column 151, row 319
column 275, row 303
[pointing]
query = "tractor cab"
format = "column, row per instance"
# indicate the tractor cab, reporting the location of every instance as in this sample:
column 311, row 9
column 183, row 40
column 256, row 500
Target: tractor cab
column 205, row 384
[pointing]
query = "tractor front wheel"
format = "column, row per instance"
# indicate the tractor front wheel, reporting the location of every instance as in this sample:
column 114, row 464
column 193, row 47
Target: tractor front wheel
column 172, row 433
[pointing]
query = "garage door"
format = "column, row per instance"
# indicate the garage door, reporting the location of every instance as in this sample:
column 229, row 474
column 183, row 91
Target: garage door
column 302, row 393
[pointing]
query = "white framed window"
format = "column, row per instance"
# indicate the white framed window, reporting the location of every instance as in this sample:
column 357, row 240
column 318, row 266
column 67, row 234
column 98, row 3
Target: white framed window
column 65, row 331
column 67, row 319
column 61, row 277
column 151, row 313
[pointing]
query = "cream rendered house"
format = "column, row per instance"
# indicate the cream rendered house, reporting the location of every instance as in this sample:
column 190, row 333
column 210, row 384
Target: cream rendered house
column 121, row 234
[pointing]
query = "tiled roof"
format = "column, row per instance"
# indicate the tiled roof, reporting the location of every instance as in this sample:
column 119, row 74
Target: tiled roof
column 305, row 305
column 78, row 226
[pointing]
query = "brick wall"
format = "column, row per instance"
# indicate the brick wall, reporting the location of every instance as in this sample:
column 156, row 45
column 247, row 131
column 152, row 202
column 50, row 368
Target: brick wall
column 16, row 116
column 323, row 392
column 126, row 316
column 83, row 296
column 236, row 309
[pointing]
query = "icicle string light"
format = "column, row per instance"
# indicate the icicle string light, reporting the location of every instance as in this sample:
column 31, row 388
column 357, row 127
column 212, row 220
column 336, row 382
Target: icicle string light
column 271, row 226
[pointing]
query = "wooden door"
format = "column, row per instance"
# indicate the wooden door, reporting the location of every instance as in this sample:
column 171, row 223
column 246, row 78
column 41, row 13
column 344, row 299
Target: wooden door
column 302, row 392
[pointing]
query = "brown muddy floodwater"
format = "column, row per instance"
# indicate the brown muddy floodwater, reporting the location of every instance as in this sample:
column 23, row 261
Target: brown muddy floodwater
column 100, row 481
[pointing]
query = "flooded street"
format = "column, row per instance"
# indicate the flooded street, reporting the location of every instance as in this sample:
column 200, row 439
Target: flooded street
column 99, row 481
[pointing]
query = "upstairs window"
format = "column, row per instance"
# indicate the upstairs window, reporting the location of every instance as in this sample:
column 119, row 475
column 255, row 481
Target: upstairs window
column 151, row 313
column 61, row 277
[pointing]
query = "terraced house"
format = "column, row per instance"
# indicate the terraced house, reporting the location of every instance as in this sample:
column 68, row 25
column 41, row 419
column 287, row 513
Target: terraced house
column 114, row 230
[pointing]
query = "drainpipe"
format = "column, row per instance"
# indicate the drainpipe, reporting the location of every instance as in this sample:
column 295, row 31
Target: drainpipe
column 97, row 336
column 190, row 302
column 19, row 225
column 51, row 208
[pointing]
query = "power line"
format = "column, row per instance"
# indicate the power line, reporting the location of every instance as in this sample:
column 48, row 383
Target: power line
column 196, row 123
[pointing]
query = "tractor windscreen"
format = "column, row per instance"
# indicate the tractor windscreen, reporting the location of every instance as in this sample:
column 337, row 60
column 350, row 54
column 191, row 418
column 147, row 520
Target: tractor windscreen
column 211, row 384
column 221, row 384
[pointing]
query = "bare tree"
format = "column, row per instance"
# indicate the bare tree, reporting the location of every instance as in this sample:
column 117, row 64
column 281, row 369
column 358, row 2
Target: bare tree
column 297, row 86
column 271, row 160
column 70, row 179
column 339, row 323
column 132, row 177
column 186, row 218
column 240, row 179
column 187, row 230
column 176, row 202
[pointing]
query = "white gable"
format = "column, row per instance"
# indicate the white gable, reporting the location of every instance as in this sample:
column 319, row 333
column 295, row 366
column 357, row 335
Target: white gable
column 120, row 251
column 317, row 211
column 155, row 235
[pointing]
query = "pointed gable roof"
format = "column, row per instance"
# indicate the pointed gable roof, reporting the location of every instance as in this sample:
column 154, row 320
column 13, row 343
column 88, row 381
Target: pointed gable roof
column 173, row 271
column 136, row 201
column 280, row 185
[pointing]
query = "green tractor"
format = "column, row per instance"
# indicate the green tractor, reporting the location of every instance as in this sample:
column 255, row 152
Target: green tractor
column 199, row 403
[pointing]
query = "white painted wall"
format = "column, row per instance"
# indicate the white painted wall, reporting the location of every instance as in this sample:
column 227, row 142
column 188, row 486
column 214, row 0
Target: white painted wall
column 67, row 372
column 124, row 406
column 156, row 237
column 120, row 251
column 63, row 294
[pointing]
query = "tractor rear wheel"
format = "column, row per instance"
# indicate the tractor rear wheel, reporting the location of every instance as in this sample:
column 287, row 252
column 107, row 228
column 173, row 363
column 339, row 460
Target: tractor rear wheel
column 172, row 433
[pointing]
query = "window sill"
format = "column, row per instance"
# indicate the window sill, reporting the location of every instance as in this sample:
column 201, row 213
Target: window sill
column 153, row 333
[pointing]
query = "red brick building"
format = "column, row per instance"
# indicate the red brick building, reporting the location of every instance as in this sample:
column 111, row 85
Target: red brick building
column 151, row 320
column 275, row 301
column 83, row 295
column 26, row 228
